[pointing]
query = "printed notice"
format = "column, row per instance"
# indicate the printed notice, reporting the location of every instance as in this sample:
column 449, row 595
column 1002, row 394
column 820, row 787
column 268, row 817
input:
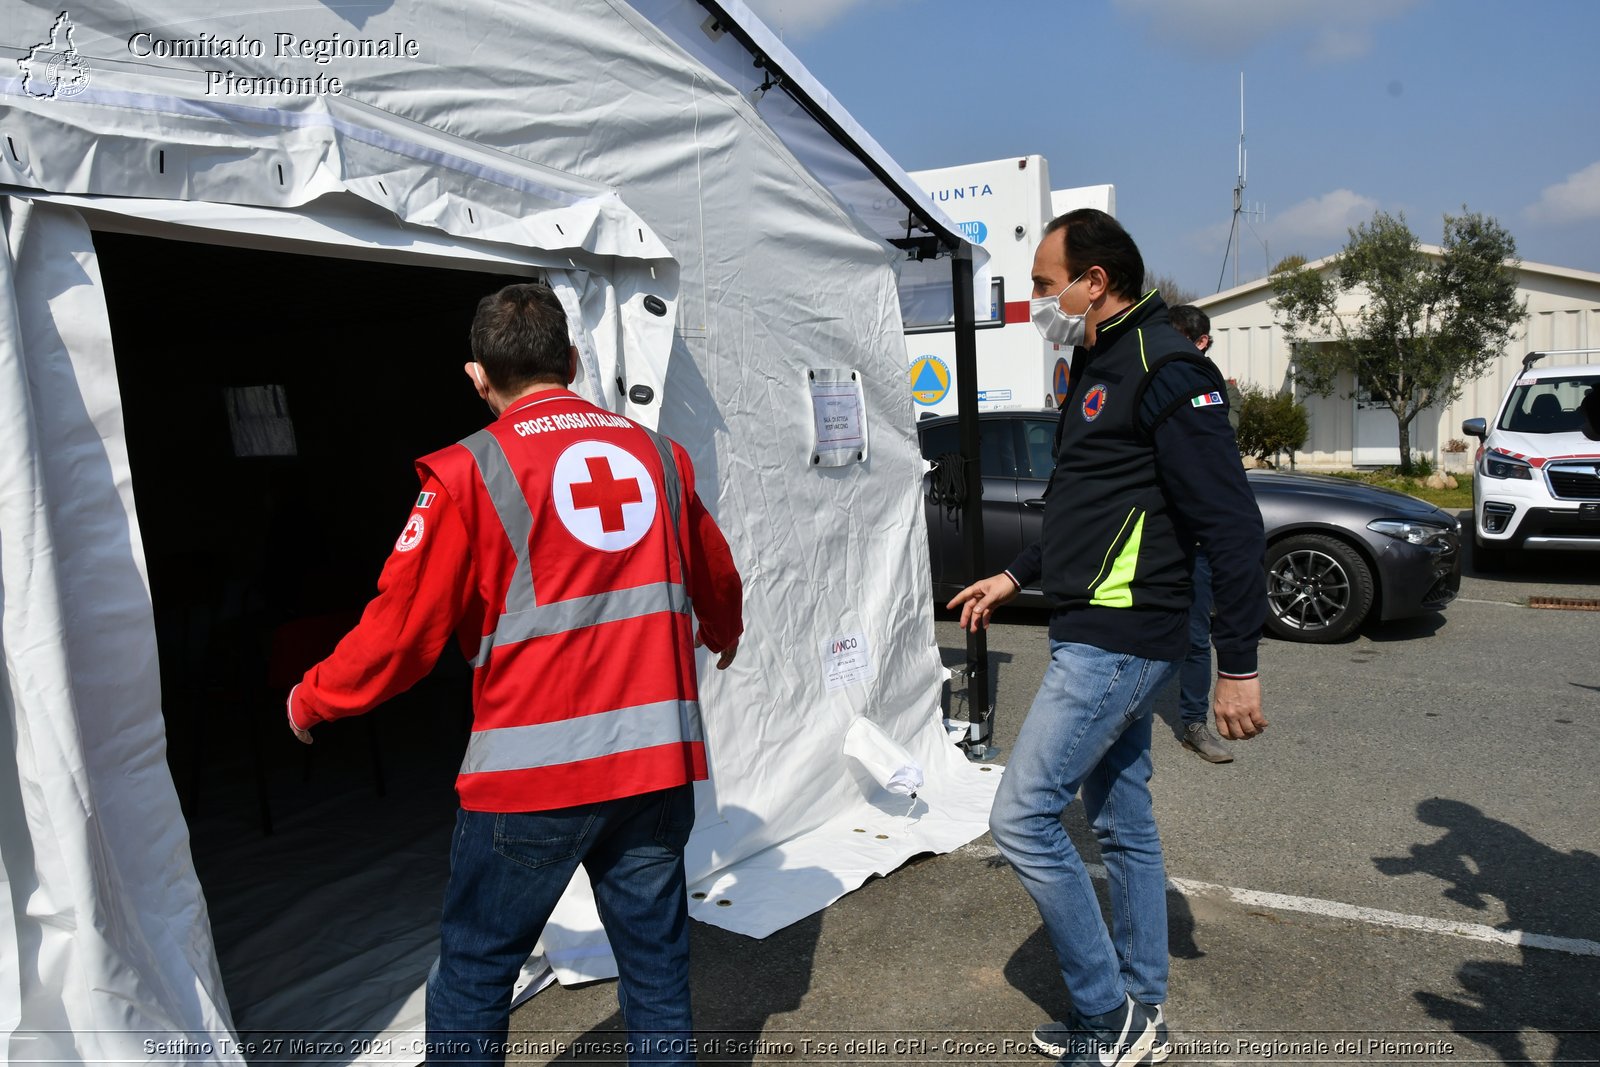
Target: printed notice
column 847, row 661
column 839, row 418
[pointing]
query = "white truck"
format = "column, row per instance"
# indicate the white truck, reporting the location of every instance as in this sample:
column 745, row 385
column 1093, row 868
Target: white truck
column 1003, row 205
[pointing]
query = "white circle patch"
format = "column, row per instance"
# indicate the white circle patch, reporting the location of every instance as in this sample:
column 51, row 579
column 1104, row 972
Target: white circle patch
column 411, row 536
column 604, row 495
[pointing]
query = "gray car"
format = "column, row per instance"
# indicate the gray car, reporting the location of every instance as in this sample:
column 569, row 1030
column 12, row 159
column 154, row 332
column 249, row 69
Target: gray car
column 1338, row 552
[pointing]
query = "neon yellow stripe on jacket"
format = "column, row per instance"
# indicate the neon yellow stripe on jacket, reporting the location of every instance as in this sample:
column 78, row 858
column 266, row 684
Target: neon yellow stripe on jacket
column 1116, row 591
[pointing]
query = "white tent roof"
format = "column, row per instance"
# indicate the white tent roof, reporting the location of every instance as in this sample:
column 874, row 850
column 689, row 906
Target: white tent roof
column 731, row 40
column 728, row 38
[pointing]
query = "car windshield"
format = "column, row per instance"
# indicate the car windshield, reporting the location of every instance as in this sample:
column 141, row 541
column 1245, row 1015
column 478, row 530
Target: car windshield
column 1541, row 404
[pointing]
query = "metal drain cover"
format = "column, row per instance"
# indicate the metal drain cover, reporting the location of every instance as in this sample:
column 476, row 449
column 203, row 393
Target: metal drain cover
column 1564, row 603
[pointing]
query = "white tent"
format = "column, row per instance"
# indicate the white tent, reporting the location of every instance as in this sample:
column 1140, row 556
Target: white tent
column 724, row 251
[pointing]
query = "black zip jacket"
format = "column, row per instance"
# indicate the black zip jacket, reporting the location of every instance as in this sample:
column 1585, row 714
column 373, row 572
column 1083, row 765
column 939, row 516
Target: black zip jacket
column 1146, row 467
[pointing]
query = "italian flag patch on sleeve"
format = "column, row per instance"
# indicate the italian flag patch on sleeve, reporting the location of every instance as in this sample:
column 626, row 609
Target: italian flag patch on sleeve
column 1206, row 400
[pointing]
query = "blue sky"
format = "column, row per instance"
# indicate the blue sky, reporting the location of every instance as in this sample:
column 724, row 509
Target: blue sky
column 1351, row 106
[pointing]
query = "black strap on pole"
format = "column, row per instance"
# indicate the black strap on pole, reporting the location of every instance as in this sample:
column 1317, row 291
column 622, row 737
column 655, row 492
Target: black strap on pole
column 980, row 713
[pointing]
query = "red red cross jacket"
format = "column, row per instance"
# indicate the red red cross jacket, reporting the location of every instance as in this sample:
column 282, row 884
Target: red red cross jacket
column 563, row 547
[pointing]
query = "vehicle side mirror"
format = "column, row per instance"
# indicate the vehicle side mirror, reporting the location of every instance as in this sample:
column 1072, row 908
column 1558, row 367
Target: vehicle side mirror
column 1475, row 428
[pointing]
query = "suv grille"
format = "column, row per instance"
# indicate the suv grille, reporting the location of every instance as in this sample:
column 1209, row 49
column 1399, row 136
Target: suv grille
column 1574, row 481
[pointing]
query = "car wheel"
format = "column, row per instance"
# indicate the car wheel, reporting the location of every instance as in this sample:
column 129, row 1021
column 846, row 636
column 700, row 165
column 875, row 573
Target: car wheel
column 1319, row 589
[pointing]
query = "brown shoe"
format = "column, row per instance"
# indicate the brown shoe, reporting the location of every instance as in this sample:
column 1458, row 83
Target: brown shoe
column 1199, row 739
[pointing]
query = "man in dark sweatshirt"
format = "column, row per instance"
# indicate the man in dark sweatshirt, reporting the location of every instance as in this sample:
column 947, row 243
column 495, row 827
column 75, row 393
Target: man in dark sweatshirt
column 1194, row 675
column 1146, row 468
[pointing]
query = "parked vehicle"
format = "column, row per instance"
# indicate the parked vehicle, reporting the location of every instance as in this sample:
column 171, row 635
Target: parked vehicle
column 1538, row 474
column 1338, row 552
column 1003, row 205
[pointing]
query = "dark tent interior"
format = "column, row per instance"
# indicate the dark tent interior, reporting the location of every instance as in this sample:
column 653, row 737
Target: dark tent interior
column 273, row 406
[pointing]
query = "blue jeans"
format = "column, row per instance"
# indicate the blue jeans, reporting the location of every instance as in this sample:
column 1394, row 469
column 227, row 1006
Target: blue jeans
column 1194, row 677
column 507, row 871
column 1089, row 730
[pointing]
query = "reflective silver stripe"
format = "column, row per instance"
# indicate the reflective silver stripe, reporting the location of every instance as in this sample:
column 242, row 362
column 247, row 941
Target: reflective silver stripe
column 674, row 493
column 511, row 504
column 606, row 733
column 561, row 616
column 669, row 472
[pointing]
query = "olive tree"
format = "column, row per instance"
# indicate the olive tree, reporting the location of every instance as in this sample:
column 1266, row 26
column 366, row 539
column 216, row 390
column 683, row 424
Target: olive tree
column 1422, row 325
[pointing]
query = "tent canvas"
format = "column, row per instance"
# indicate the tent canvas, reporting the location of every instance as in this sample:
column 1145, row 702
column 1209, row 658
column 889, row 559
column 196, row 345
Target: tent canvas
column 580, row 142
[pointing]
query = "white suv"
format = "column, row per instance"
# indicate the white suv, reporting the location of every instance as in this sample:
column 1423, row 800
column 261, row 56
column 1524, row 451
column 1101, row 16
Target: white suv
column 1537, row 483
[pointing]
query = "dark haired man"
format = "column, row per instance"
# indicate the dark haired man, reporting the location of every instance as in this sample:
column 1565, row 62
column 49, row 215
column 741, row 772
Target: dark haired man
column 1194, row 676
column 1146, row 466
column 561, row 547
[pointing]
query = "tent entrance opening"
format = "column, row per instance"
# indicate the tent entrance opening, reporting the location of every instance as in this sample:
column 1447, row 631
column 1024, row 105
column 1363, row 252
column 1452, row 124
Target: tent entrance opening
column 274, row 403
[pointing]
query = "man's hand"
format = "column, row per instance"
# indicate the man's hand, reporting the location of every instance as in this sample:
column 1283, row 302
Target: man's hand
column 725, row 657
column 979, row 600
column 1238, row 708
column 302, row 736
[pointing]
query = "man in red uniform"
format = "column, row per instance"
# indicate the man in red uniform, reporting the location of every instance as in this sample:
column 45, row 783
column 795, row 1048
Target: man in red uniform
column 562, row 547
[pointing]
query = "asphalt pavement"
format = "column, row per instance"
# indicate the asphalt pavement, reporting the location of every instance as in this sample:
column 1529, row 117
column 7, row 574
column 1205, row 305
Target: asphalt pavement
column 1404, row 868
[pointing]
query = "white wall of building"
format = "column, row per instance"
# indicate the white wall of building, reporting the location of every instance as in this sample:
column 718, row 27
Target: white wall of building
column 1250, row 348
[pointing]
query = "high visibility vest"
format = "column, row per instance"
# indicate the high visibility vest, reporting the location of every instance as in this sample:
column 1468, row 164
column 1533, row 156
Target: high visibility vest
column 584, row 684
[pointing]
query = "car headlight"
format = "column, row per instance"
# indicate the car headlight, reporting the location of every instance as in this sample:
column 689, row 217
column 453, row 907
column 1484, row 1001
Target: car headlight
column 1409, row 530
column 1500, row 465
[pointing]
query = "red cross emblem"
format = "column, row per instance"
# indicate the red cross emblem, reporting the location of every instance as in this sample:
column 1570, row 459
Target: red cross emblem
column 606, row 493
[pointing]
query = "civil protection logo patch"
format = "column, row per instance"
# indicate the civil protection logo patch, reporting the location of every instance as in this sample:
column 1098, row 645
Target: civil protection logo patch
column 1094, row 402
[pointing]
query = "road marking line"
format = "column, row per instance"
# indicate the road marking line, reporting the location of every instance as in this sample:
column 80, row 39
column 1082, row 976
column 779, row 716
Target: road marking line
column 1334, row 909
column 1397, row 920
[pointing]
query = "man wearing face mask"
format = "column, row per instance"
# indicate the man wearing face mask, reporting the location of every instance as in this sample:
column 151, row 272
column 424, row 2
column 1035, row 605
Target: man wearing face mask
column 1146, row 468
column 561, row 547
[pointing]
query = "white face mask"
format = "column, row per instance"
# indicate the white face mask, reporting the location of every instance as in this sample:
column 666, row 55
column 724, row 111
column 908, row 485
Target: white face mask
column 1055, row 325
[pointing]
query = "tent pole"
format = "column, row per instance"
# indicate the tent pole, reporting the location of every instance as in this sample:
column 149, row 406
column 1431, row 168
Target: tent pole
column 979, row 711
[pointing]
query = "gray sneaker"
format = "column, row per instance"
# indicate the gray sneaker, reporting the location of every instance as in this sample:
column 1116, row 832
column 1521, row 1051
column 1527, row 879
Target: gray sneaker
column 1052, row 1039
column 1199, row 739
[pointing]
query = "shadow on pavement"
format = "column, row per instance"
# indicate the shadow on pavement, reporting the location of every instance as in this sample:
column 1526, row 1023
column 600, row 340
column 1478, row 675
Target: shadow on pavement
column 1414, row 628
column 1543, row 891
column 738, row 984
column 1033, row 969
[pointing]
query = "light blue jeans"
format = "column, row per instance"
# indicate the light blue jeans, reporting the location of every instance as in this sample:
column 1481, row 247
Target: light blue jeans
column 1089, row 731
